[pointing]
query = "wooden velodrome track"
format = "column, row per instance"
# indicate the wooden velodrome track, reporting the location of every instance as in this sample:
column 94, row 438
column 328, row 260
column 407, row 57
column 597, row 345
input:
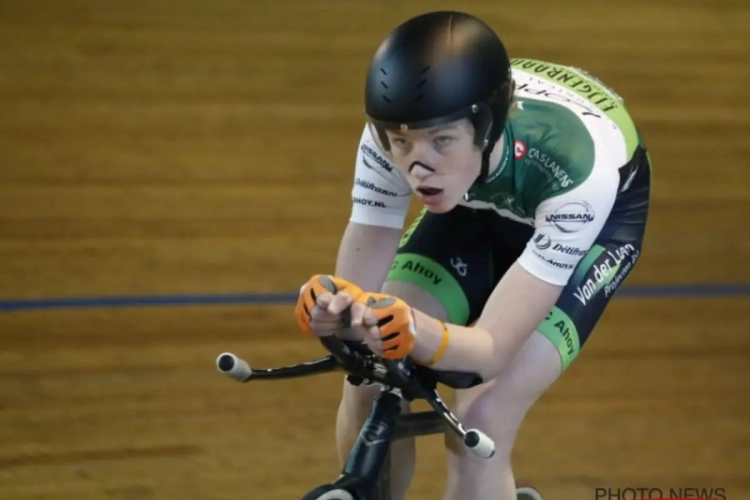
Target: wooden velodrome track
column 153, row 147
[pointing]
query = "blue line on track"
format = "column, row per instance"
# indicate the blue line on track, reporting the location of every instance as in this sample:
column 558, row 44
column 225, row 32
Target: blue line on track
column 647, row 291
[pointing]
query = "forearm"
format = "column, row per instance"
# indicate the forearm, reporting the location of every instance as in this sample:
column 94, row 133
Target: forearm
column 468, row 349
column 364, row 258
column 514, row 310
column 365, row 255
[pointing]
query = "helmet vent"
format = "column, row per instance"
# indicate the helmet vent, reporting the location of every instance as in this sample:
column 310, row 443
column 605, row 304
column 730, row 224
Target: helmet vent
column 421, row 83
column 385, row 85
column 383, row 71
column 386, row 98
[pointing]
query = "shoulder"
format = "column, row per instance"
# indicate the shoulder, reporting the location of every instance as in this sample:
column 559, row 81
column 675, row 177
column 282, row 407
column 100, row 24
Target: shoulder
column 372, row 160
column 596, row 105
column 371, row 154
column 380, row 194
column 552, row 142
column 561, row 146
column 566, row 167
column 569, row 170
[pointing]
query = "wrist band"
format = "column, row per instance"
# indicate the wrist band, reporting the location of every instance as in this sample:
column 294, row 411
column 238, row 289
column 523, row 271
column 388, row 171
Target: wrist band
column 443, row 346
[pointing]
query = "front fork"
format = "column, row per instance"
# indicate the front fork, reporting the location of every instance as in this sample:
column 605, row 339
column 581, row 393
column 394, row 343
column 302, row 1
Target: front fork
column 368, row 465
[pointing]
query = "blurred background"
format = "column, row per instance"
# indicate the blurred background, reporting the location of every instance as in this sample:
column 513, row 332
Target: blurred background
column 171, row 172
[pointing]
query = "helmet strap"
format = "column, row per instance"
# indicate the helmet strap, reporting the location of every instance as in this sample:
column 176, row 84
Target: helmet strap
column 485, row 169
column 494, row 115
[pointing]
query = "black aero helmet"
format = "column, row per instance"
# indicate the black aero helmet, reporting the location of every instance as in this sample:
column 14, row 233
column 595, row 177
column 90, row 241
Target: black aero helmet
column 436, row 68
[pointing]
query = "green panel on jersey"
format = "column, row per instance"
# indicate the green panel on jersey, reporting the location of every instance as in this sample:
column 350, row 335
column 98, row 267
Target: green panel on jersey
column 435, row 280
column 559, row 150
column 561, row 331
column 585, row 265
column 558, row 156
column 589, row 88
column 591, row 277
column 503, row 184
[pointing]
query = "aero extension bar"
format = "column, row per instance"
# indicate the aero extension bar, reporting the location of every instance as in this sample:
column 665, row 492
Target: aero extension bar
column 365, row 474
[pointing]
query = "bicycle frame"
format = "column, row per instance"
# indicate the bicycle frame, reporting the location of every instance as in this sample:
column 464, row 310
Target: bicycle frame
column 366, row 472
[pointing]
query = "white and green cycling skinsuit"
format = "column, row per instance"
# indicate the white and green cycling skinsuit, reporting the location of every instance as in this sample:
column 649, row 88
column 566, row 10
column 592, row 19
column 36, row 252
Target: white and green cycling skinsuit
column 571, row 155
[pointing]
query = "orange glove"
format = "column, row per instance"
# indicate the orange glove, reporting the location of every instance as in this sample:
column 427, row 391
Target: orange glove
column 389, row 323
column 316, row 294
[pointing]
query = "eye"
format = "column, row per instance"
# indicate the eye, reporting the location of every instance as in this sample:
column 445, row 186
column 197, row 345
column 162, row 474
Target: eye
column 398, row 142
column 442, row 141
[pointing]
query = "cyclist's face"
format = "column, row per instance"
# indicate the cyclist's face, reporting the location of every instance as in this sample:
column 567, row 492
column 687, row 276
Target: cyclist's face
column 440, row 163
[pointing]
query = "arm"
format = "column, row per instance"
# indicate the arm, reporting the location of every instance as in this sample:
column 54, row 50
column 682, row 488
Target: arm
column 366, row 253
column 380, row 202
column 515, row 308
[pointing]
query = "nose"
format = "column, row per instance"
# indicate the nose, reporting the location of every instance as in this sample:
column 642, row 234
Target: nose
column 420, row 170
column 419, row 165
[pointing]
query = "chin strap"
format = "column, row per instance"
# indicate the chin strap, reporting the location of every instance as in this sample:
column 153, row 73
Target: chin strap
column 485, row 169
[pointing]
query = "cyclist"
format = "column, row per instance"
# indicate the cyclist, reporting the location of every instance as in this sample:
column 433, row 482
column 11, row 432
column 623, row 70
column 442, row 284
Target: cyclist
column 535, row 184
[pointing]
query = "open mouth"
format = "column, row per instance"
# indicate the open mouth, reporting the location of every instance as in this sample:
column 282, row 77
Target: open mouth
column 429, row 191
